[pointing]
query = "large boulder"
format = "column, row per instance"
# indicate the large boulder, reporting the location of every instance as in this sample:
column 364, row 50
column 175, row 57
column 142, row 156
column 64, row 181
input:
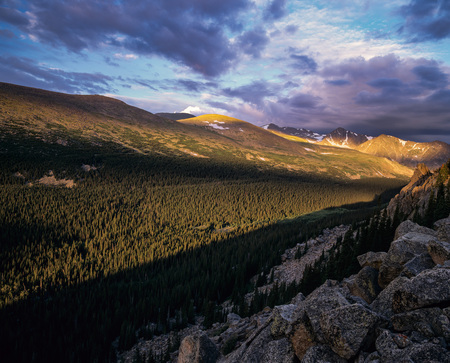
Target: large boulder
column 417, row 265
column 430, row 287
column 261, row 347
column 198, row 348
column 401, row 251
column 348, row 329
column 442, row 228
column 439, row 251
column 383, row 303
column 430, row 322
column 364, row 284
column 282, row 319
column 306, row 330
column 322, row 354
column 372, row 259
column 409, row 226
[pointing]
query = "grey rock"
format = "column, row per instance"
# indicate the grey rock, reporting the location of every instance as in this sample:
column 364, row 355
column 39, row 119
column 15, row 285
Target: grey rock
column 282, row 319
column 383, row 303
column 297, row 299
column 233, row 318
column 261, row 347
column 302, row 336
column 401, row 251
column 386, row 345
column 372, row 259
column 348, row 329
column 364, row 284
column 198, row 348
column 430, row 322
column 428, row 288
column 321, row 354
column 428, row 352
column 326, row 297
column 439, row 251
column 373, row 357
column 417, row 265
column 442, row 228
column 409, row 226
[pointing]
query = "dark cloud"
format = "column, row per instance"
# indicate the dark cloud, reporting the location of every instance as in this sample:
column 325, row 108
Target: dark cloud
column 301, row 100
column 275, row 10
column 441, row 96
column 13, row 16
column 303, row 63
column 253, row 42
column 385, row 83
column 431, row 76
column 338, row 82
column 195, row 86
column 253, row 93
column 426, row 20
column 25, row 71
column 189, row 32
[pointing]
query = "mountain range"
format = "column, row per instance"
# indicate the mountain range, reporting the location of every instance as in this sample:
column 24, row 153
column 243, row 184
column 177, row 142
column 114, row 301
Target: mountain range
column 69, row 119
column 408, row 153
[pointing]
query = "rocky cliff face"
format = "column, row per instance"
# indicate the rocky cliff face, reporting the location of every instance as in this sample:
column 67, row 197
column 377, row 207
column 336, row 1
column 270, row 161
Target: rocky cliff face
column 414, row 197
column 396, row 309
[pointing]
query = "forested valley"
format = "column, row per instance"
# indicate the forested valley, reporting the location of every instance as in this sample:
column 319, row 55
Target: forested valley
column 143, row 239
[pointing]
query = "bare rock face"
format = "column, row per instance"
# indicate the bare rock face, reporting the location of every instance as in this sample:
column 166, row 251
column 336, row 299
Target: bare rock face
column 439, row 251
column 417, row 265
column 429, row 288
column 442, row 228
column 198, row 348
column 383, row 303
column 282, row 319
column 415, row 194
column 261, row 347
column 401, row 251
column 430, row 322
column 322, row 354
column 372, row 259
column 409, row 226
column 364, row 284
column 348, row 329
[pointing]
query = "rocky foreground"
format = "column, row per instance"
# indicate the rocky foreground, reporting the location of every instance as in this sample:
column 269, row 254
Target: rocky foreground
column 396, row 309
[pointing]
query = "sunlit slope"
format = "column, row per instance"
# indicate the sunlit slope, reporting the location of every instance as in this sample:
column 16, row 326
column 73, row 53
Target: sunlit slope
column 67, row 120
column 410, row 153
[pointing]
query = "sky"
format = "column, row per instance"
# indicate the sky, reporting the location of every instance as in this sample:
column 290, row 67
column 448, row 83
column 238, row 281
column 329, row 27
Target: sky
column 370, row 66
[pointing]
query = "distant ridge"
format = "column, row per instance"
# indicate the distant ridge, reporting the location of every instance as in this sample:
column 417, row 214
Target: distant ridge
column 409, row 153
column 175, row 115
column 344, row 138
column 306, row 134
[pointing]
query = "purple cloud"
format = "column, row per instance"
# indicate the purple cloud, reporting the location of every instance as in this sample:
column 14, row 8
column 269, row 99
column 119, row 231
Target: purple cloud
column 25, row 71
column 253, row 93
column 275, row 10
column 426, row 20
column 253, row 42
column 303, row 63
column 188, row 32
column 338, row 82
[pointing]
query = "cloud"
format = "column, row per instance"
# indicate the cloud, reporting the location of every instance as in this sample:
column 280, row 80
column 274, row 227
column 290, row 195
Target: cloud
column 253, row 93
column 431, row 76
column 5, row 33
column 126, row 56
column 426, row 20
column 191, row 33
column 275, row 10
column 253, row 42
column 25, row 71
column 303, row 63
column 338, row 82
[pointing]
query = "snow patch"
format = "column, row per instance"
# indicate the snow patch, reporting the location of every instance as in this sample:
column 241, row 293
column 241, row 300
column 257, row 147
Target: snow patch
column 307, row 149
column 215, row 126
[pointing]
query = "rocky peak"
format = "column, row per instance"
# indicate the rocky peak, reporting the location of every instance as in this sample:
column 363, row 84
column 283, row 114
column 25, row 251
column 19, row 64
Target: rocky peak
column 344, row 138
column 415, row 195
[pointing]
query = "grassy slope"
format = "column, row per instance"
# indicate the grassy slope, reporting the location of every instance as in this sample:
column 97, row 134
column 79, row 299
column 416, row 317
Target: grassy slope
column 67, row 119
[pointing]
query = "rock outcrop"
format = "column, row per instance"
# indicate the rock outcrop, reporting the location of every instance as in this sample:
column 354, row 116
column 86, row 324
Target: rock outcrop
column 414, row 197
column 405, row 318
